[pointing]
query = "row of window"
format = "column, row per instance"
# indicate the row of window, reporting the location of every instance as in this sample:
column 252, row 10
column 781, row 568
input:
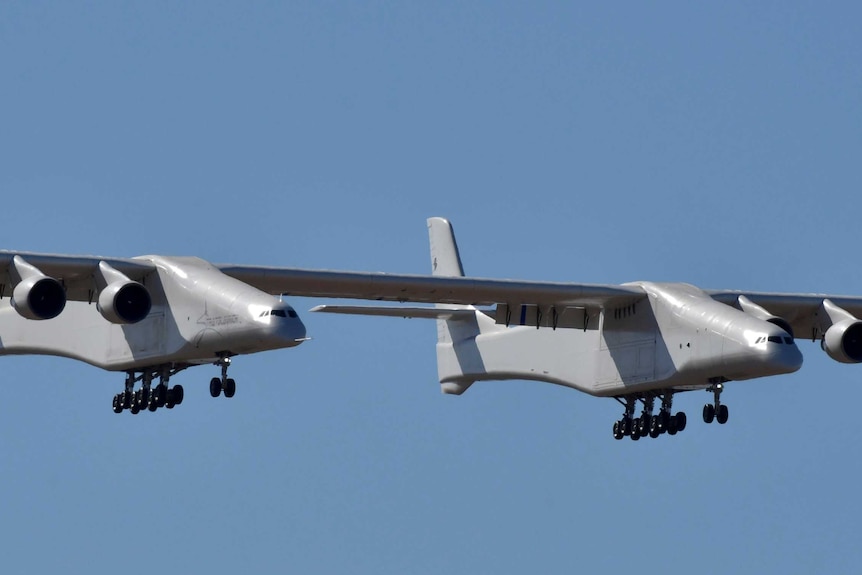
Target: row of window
column 278, row 313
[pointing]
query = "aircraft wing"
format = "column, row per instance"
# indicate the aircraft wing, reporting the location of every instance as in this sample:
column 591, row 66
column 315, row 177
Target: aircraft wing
column 428, row 289
column 804, row 312
column 75, row 272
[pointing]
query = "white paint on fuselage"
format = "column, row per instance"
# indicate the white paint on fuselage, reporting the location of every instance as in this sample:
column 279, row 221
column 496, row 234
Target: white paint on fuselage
column 197, row 314
column 677, row 337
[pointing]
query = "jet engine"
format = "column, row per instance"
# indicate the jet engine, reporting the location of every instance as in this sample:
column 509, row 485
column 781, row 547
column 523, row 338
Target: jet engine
column 39, row 297
column 124, row 302
column 843, row 341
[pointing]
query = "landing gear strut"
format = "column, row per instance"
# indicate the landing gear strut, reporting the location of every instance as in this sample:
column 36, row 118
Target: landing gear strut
column 147, row 397
column 225, row 384
column 717, row 410
column 648, row 424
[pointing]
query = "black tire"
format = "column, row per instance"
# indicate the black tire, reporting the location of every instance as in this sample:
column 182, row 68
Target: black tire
column 708, row 413
column 627, row 426
column 135, row 408
column 127, row 399
column 179, row 394
column 672, row 425
column 680, row 421
column 215, row 387
column 721, row 416
column 229, row 388
column 635, row 435
column 162, row 395
column 118, row 407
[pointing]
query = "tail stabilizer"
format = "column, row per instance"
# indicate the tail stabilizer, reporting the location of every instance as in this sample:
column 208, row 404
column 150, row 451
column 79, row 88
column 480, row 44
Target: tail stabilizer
column 457, row 353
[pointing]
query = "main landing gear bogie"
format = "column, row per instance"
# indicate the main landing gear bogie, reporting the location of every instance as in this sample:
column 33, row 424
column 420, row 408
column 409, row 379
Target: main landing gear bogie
column 648, row 424
column 150, row 399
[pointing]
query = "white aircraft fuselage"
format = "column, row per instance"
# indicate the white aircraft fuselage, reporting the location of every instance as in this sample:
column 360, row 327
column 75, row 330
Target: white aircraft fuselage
column 199, row 315
column 677, row 338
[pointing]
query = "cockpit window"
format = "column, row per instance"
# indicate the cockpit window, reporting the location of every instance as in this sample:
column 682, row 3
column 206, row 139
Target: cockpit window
column 774, row 339
column 788, row 340
column 284, row 312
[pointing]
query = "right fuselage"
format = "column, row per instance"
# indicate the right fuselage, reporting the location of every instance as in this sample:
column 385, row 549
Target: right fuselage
column 677, row 337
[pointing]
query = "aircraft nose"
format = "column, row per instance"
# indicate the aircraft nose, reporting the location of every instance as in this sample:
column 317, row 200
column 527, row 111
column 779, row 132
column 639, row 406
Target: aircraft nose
column 785, row 358
column 297, row 330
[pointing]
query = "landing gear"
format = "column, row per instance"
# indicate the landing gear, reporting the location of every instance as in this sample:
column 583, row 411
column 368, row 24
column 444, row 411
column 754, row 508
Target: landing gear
column 648, row 424
column 715, row 411
column 225, row 384
column 148, row 397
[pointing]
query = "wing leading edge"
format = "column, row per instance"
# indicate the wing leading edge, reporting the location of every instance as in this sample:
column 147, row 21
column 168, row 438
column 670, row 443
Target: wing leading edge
column 427, row 289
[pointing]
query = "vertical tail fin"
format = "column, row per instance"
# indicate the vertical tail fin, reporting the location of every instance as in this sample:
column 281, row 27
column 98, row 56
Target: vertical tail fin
column 445, row 259
column 457, row 353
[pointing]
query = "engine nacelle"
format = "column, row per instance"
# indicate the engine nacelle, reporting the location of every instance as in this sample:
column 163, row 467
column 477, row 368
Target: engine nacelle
column 39, row 297
column 124, row 302
column 843, row 341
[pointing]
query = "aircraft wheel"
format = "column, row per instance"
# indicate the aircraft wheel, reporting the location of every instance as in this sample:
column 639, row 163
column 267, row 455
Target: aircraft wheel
column 179, row 394
column 229, row 388
column 215, row 387
column 680, row 421
column 136, row 408
column 126, row 399
column 162, row 395
column 672, row 425
column 722, row 414
column 635, row 435
column 708, row 413
column 616, row 428
column 118, row 407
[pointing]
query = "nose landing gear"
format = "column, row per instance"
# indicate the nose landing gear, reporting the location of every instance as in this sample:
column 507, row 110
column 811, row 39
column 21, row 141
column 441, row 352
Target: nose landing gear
column 715, row 411
column 225, row 384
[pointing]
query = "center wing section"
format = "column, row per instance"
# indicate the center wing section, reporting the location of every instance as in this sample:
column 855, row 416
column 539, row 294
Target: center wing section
column 527, row 301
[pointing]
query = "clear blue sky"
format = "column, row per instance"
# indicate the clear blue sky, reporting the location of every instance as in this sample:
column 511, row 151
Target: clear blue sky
column 714, row 145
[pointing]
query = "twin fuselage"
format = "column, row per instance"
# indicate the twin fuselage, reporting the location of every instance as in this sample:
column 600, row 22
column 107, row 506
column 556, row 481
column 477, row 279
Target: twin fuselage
column 676, row 337
column 198, row 315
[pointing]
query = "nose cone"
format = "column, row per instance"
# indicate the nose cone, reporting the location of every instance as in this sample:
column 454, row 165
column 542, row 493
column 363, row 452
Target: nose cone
column 295, row 330
column 785, row 358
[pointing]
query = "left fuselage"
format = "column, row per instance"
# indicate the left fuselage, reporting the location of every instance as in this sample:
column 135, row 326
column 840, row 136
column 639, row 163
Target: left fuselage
column 198, row 315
